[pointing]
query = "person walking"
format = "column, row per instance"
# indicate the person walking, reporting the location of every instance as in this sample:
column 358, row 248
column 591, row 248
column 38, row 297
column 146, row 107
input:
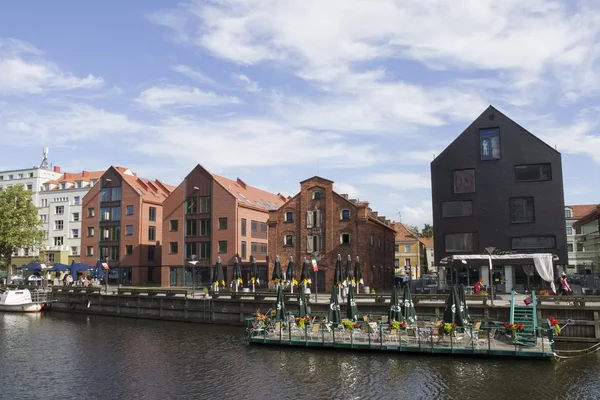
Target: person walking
column 478, row 286
column 565, row 288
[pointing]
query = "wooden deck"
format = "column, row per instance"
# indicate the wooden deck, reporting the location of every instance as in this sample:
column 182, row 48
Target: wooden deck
column 483, row 342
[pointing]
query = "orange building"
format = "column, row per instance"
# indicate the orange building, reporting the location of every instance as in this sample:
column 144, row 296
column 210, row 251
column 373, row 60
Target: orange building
column 209, row 216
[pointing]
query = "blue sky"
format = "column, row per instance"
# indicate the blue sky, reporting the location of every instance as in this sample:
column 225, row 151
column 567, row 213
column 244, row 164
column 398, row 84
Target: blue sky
column 362, row 93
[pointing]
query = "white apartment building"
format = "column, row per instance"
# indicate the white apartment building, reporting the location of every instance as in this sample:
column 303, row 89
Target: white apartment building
column 575, row 247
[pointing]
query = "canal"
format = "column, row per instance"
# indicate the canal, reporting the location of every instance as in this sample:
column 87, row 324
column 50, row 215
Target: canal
column 64, row 356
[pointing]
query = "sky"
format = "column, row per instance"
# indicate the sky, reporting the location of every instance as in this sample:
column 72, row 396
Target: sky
column 363, row 93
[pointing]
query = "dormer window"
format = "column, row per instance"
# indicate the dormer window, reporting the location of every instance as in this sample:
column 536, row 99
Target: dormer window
column 345, row 214
column 318, row 195
column 63, row 185
column 568, row 213
column 289, row 216
column 78, row 184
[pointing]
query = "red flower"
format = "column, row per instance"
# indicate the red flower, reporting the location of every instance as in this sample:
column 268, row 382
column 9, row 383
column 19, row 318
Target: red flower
column 390, row 323
column 454, row 326
column 307, row 318
column 403, row 323
column 507, row 326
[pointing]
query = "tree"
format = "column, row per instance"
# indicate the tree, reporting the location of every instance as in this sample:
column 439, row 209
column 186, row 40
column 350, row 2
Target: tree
column 427, row 231
column 19, row 223
column 414, row 229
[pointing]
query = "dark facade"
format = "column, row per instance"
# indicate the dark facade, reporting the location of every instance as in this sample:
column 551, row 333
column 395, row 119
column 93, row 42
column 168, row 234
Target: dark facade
column 497, row 185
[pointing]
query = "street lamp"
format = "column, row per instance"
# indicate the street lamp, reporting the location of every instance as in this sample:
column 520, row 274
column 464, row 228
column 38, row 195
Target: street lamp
column 193, row 263
column 490, row 251
column 106, row 277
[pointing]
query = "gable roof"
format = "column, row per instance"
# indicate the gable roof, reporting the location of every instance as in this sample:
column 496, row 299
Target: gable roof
column 250, row 196
column 501, row 114
column 579, row 211
column 150, row 191
column 403, row 232
column 427, row 242
column 589, row 217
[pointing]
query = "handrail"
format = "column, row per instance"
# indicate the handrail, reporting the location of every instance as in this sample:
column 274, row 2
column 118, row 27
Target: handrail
column 512, row 306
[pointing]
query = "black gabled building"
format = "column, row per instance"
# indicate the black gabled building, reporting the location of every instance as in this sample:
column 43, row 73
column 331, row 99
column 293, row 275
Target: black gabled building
column 498, row 185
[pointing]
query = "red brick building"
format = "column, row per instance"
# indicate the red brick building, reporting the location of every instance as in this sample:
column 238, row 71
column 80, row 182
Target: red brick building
column 122, row 225
column 209, row 216
column 319, row 224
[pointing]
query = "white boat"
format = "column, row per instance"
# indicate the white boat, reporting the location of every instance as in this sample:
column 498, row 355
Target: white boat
column 20, row 300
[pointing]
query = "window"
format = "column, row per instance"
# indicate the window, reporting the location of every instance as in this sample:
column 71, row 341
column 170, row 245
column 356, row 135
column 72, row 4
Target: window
column 115, row 213
column 254, row 248
column 263, row 227
column 105, row 194
column 115, row 193
column 372, row 239
column 243, row 250
column 58, row 240
column 244, row 227
column 151, row 250
column 112, row 233
column 20, row 176
column 110, row 252
column 464, row 181
column 128, row 249
column 191, row 227
column 204, row 227
column 222, row 223
column 76, row 200
column 579, row 246
column 533, row 242
column 11, row 176
column 58, row 225
column 93, row 182
column 74, row 251
column 29, row 186
column 288, row 240
column 263, row 248
column 204, row 250
column 59, row 210
column 461, row 242
column 129, row 230
column 63, row 185
column 190, row 249
column 318, row 195
column 397, row 248
column 129, row 210
column 104, row 213
column 379, row 242
column 90, row 250
column 345, row 238
column 151, row 233
column 222, row 246
column 152, row 214
column 191, row 205
column 173, row 225
column 204, row 205
column 578, row 231
column 254, row 226
column 289, row 216
column 568, row 213
column 521, row 210
column 173, row 247
column 407, row 248
column 569, row 231
column 489, row 144
column 75, row 217
column 90, row 231
column 44, row 218
column 533, row 172
column 452, row 209
column 91, row 213
column 570, row 247
column 75, row 233
column 78, row 184
column 51, row 257
column 345, row 214
column 44, row 202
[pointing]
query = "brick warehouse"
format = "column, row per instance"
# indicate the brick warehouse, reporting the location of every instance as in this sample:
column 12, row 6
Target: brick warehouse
column 122, row 225
column 318, row 223
column 209, row 216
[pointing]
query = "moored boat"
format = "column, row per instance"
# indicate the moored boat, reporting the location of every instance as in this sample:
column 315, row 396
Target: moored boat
column 21, row 300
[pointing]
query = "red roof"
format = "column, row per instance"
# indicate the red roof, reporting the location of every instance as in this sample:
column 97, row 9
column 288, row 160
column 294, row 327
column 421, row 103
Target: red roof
column 249, row 196
column 428, row 242
column 589, row 217
column 580, row 210
column 150, row 191
column 403, row 232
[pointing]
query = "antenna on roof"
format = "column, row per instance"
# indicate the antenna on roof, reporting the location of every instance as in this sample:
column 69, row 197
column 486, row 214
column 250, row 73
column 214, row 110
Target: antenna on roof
column 45, row 164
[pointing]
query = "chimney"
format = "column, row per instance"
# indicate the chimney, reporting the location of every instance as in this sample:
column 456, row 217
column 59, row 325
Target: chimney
column 281, row 197
column 56, row 169
column 241, row 183
column 381, row 219
column 374, row 214
column 67, row 176
column 353, row 201
column 85, row 174
column 344, row 196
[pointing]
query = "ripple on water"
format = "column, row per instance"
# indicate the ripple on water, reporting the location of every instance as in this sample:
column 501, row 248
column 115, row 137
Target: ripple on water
column 73, row 357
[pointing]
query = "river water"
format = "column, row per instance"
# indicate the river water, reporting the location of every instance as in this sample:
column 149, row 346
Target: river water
column 63, row 356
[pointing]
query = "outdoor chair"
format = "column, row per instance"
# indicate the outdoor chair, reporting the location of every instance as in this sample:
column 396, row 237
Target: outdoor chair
column 483, row 336
column 392, row 336
column 412, row 335
column 315, row 332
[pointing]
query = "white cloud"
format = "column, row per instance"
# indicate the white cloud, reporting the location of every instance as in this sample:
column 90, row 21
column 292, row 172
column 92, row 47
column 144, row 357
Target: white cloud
column 197, row 76
column 24, row 70
column 181, row 96
column 251, row 86
column 400, row 181
column 346, row 188
column 416, row 214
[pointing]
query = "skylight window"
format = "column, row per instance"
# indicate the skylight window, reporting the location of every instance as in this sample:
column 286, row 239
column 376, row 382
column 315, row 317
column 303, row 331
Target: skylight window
column 140, row 191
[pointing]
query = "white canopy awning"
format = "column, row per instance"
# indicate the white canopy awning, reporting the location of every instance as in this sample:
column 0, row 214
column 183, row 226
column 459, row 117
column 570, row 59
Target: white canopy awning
column 542, row 262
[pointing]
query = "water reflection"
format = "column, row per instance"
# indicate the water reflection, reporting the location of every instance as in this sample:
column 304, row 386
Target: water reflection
column 72, row 357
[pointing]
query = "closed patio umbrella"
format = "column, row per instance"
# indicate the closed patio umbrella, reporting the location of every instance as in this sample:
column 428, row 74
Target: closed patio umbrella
column 351, row 309
column 277, row 275
column 305, row 274
column 219, row 275
column 334, row 316
column 99, row 270
column 237, row 274
column 408, row 307
column 254, row 274
column 463, row 301
column 291, row 272
column 349, row 272
column 395, row 313
column 453, row 313
column 302, row 308
column 280, row 307
column 358, row 275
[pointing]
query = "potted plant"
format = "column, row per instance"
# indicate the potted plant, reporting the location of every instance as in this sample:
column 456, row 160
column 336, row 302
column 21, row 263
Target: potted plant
column 554, row 325
column 543, row 292
column 350, row 325
column 373, row 291
column 397, row 325
column 447, row 328
column 513, row 329
column 301, row 322
column 263, row 320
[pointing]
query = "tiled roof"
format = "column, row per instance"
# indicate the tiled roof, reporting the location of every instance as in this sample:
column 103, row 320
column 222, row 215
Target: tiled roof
column 150, row 191
column 590, row 216
column 428, row 242
column 580, row 210
column 249, row 196
column 69, row 177
column 403, row 232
